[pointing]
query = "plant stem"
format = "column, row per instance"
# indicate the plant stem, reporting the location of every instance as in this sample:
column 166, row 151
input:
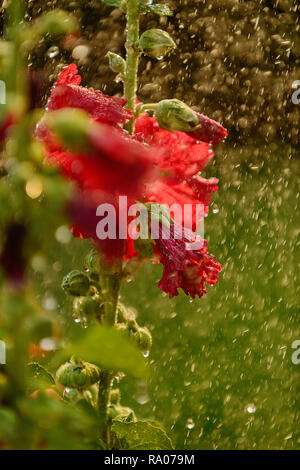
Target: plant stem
column 110, row 285
column 132, row 58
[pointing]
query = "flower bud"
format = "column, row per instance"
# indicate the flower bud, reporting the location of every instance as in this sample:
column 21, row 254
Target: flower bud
column 78, row 374
column 156, row 43
column 144, row 339
column 92, row 263
column 174, row 115
column 125, row 314
column 76, row 283
column 87, row 306
column 116, row 62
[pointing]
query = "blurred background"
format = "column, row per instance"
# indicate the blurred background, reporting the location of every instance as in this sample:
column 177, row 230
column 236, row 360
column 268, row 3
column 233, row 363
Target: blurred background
column 222, row 374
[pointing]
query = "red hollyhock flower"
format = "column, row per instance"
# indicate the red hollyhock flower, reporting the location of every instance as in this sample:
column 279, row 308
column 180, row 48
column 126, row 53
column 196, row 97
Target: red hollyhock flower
column 118, row 164
column 67, row 93
column 185, row 268
column 113, row 163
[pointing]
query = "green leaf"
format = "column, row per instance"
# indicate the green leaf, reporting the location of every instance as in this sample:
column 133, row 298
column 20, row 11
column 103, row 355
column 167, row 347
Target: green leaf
column 161, row 10
column 109, row 349
column 38, row 377
column 113, row 3
column 142, row 435
column 8, row 423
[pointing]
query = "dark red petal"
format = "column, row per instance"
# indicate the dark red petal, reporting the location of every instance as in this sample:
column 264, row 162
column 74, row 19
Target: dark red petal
column 210, row 131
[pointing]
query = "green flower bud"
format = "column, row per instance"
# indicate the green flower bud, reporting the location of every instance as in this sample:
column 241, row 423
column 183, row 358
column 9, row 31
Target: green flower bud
column 144, row 339
column 115, row 396
column 116, row 62
column 125, row 313
column 78, row 374
column 156, row 43
column 92, row 263
column 87, row 307
column 174, row 115
column 132, row 325
column 76, row 283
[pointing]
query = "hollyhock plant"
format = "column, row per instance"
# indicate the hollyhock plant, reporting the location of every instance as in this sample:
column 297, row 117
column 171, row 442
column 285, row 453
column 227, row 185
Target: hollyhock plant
column 134, row 168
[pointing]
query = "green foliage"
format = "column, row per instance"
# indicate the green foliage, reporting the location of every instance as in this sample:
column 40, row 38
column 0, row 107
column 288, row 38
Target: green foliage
column 142, row 435
column 113, row 3
column 38, row 377
column 109, row 349
column 156, row 43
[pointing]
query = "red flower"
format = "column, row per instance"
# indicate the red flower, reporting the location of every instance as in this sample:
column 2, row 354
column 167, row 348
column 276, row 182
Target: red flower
column 112, row 164
column 185, row 268
column 181, row 155
column 67, row 93
column 115, row 163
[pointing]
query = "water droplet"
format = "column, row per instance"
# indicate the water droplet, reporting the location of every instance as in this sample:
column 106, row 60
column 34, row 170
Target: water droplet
column 190, row 424
column 215, row 211
column 63, row 234
column 146, row 353
column 48, row 344
column 251, row 408
column 80, row 52
column 49, row 303
column 52, row 52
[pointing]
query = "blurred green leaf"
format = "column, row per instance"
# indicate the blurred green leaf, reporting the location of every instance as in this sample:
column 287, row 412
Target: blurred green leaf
column 54, row 22
column 113, row 3
column 8, row 422
column 142, row 435
column 109, row 349
column 38, row 377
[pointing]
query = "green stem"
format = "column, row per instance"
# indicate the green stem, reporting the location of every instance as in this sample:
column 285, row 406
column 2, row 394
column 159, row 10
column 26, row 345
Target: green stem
column 132, row 58
column 110, row 287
